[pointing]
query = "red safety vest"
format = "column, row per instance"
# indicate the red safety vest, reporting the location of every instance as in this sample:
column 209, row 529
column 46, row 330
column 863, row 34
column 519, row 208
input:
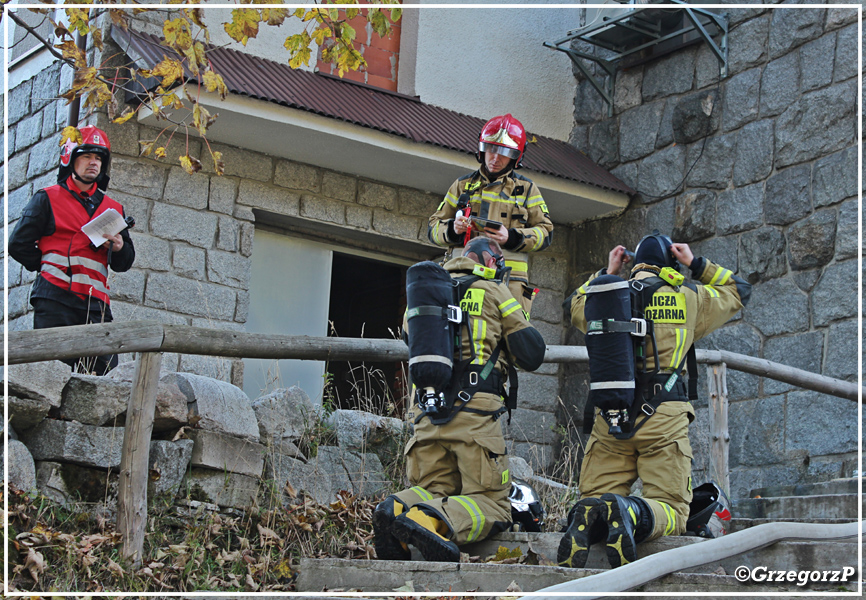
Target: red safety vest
column 68, row 260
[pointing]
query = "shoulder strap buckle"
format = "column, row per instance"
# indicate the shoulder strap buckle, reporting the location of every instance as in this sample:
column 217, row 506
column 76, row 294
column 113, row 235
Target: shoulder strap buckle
column 647, row 409
column 639, row 327
column 454, row 313
column 473, row 378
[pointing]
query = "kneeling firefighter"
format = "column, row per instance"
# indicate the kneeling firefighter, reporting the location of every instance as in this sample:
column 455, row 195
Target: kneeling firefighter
column 639, row 404
column 464, row 330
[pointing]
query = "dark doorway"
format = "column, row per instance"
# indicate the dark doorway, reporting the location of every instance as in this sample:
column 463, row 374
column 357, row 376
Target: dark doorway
column 368, row 298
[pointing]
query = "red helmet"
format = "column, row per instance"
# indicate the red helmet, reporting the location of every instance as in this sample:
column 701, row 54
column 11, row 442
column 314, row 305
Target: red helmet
column 93, row 140
column 503, row 135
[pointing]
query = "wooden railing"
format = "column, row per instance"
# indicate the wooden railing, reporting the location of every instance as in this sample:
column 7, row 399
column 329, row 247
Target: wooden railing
column 150, row 339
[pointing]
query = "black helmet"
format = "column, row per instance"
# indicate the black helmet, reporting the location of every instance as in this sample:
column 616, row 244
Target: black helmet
column 526, row 508
column 655, row 249
column 709, row 511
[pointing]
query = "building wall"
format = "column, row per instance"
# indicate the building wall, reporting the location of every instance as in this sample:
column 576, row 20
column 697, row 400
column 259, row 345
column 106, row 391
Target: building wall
column 491, row 61
column 195, row 237
column 770, row 193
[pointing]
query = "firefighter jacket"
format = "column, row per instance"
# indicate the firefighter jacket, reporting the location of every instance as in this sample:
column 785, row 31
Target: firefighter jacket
column 48, row 238
column 685, row 314
column 494, row 317
column 510, row 199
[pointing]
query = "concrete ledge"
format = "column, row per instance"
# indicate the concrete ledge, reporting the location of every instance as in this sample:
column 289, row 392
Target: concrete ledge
column 386, row 576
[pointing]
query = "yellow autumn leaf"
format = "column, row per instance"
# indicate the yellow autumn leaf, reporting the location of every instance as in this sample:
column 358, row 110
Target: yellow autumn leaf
column 244, row 24
column 218, row 164
column 214, row 83
column 128, row 113
column 191, row 165
column 159, row 152
column 177, row 34
column 274, row 16
column 169, row 69
column 70, row 133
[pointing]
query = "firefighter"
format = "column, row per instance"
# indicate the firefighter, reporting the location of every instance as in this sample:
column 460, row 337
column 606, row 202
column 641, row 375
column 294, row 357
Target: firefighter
column 459, row 469
column 497, row 193
column 658, row 451
column 71, row 287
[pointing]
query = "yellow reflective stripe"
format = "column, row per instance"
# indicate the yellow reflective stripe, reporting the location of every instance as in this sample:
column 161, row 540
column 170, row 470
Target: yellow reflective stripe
column 539, row 237
column 713, row 292
column 672, row 519
column 517, row 266
column 475, row 513
column 424, row 494
column 450, row 199
column 508, row 307
column 678, row 350
column 504, row 476
column 531, row 201
column 582, row 289
column 721, row 277
column 479, row 332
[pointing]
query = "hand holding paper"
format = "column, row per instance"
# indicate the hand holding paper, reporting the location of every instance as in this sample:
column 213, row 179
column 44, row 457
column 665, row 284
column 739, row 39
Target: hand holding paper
column 104, row 226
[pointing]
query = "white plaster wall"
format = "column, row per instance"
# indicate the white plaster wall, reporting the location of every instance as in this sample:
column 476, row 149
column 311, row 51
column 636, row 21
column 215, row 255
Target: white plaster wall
column 268, row 43
column 490, row 61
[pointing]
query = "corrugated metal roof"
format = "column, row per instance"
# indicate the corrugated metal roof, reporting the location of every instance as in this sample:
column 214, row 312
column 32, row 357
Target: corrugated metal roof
column 371, row 107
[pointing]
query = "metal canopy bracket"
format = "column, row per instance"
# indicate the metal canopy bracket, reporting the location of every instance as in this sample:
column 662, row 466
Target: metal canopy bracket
column 640, row 27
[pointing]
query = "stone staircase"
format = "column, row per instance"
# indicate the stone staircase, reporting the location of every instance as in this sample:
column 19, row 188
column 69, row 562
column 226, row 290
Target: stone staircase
column 823, row 503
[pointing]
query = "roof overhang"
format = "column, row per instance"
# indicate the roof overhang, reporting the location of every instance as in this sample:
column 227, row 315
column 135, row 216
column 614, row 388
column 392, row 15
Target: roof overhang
column 306, row 137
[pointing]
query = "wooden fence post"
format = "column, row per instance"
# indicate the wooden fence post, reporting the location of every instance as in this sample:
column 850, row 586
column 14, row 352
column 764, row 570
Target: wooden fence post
column 132, row 492
column 720, row 438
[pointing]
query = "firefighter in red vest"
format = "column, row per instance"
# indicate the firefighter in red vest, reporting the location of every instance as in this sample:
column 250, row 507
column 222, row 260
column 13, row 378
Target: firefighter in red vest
column 511, row 205
column 71, row 287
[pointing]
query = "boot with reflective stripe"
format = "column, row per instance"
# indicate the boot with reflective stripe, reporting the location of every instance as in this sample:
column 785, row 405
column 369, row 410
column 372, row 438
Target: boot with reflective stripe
column 587, row 525
column 424, row 531
column 629, row 522
column 387, row 546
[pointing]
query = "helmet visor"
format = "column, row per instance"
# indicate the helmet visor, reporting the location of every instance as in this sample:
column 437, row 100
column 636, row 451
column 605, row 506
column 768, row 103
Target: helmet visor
column 497, row 149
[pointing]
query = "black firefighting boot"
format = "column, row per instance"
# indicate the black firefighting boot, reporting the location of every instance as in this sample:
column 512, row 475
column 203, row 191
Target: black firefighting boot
column 427, row 533
column 629, row 522
column 587, row 525
column 387, row 546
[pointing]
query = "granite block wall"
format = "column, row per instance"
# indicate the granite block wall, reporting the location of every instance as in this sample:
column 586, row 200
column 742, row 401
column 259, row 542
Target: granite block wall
column 758, row 172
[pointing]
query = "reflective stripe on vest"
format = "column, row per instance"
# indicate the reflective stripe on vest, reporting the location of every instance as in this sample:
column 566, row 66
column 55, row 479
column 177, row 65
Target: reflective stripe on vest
column 77, row 279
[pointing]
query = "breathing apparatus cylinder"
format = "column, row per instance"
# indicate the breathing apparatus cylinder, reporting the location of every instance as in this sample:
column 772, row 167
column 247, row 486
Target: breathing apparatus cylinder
column 432, row 327
column 610, row 348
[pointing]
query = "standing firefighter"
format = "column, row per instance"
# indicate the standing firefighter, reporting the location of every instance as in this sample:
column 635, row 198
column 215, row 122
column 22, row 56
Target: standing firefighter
column 72, row 285
column 644, row 433
column 508, row 207
column 456, row 458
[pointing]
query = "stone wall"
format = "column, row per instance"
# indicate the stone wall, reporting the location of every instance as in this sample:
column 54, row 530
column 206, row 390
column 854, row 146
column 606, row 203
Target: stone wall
column 195, row 236
column 768, row 158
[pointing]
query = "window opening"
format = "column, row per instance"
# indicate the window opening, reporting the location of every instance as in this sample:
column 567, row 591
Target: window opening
column 367, row 299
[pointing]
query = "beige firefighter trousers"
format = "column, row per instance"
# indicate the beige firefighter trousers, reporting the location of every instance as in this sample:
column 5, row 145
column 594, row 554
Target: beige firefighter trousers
column 460, row 471
column 659, row 453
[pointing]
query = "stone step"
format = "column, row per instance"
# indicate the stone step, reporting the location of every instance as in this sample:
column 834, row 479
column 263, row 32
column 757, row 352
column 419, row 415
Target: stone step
column 545, row 545
column 738, row 524
column 372, row 576
column 834, row 486
column 824, row 506
column 782, row 555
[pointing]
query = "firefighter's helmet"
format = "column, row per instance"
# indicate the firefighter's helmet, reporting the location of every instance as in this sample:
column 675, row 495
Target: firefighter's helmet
column 526, row 509
column 709, row 511
column 93, row 140
column 655, row 249
column 503, row 135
